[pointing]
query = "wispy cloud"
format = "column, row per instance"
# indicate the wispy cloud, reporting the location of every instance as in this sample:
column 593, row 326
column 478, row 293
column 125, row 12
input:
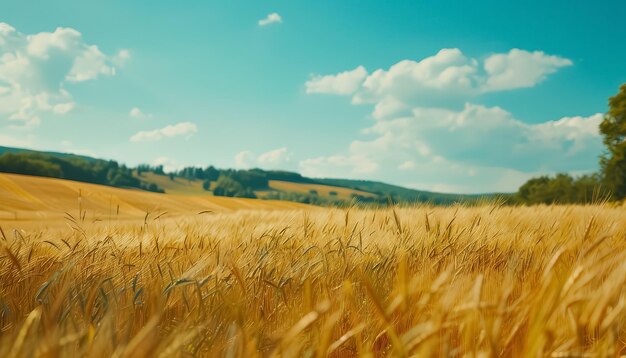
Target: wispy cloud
column 137, row 113
column 181, row 129
column 272, row 18
column 276, row 158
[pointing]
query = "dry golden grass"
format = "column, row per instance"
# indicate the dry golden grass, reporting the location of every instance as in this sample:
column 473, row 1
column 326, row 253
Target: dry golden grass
column 177, row 185
column 322, row 190
column 29, row 201
column 181, row 186
column 482, row 281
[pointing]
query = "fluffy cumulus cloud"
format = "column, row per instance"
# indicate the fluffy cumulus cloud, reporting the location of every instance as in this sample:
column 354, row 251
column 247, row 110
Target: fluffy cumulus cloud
column 518, row 69
column 274, row 159
column 485, row 137
column 429, row 132
column 273, row 18
column 447, row 78
column 345, row 83
column 185, row 129
column 35, row 68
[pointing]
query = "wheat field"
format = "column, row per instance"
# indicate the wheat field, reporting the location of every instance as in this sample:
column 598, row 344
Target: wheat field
column 481, row 281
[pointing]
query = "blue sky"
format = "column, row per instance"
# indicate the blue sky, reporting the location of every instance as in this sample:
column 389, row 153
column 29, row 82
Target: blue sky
column 438, row 95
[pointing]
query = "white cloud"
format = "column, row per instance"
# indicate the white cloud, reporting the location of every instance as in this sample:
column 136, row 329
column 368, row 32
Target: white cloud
column 63, row 108
column 447, row 76
column 169, row 165
column 273, row 159
column 344, row 83
column 272, row 18
column 244, row 159
column 137, row 113
column 477, row 149
column 90, row 64
column 519, row 68
column 35, row 68
column 487, row 137
column 444, row 79
column 389, row 106
column 353, row 165
column 181, row 129
column 427, row 132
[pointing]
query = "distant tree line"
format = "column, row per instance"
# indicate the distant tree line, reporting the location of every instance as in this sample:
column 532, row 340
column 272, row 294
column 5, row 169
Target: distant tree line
column 608, row 183
column 257, row 177
column 145, row 168
column 242, row 183
column 236, row 183
column 97, row 171
column 196, row 173
column 562, row 189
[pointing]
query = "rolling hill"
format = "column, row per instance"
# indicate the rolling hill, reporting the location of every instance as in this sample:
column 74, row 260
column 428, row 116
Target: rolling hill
column 323, row 190
column 176, row 185
column 182, row 186
column 400, row 193
column 192, row 181
column 31, row 151
column 38, row 200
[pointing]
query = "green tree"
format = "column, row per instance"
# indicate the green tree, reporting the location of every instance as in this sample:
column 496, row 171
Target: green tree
column 211, row 173
column 206, row 185
column 613, row 161
column 227, row 186
column 106, row 172
column 561, row 189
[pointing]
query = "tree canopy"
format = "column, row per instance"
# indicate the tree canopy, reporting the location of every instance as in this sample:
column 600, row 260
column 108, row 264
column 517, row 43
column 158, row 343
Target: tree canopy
column 613, row 130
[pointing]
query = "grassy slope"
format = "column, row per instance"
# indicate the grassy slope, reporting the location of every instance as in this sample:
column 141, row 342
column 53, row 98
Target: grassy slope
column 29, row 198
column 344, row 187
column 56, row 154
column 322, row 190
column 180, row 186
column 406, row 194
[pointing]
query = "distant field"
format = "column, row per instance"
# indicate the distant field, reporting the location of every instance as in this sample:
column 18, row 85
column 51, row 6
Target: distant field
column 322, row 190
column 180, row 186
column 28, row 199
column 423, row 281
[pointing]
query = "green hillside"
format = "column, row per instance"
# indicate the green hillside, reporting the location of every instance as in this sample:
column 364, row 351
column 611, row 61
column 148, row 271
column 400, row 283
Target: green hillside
column 54, row 154
column 196, row 181
column 402, row 194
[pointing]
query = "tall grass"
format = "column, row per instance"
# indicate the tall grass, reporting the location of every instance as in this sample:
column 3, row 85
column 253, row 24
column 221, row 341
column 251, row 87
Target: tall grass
column 479, row 281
